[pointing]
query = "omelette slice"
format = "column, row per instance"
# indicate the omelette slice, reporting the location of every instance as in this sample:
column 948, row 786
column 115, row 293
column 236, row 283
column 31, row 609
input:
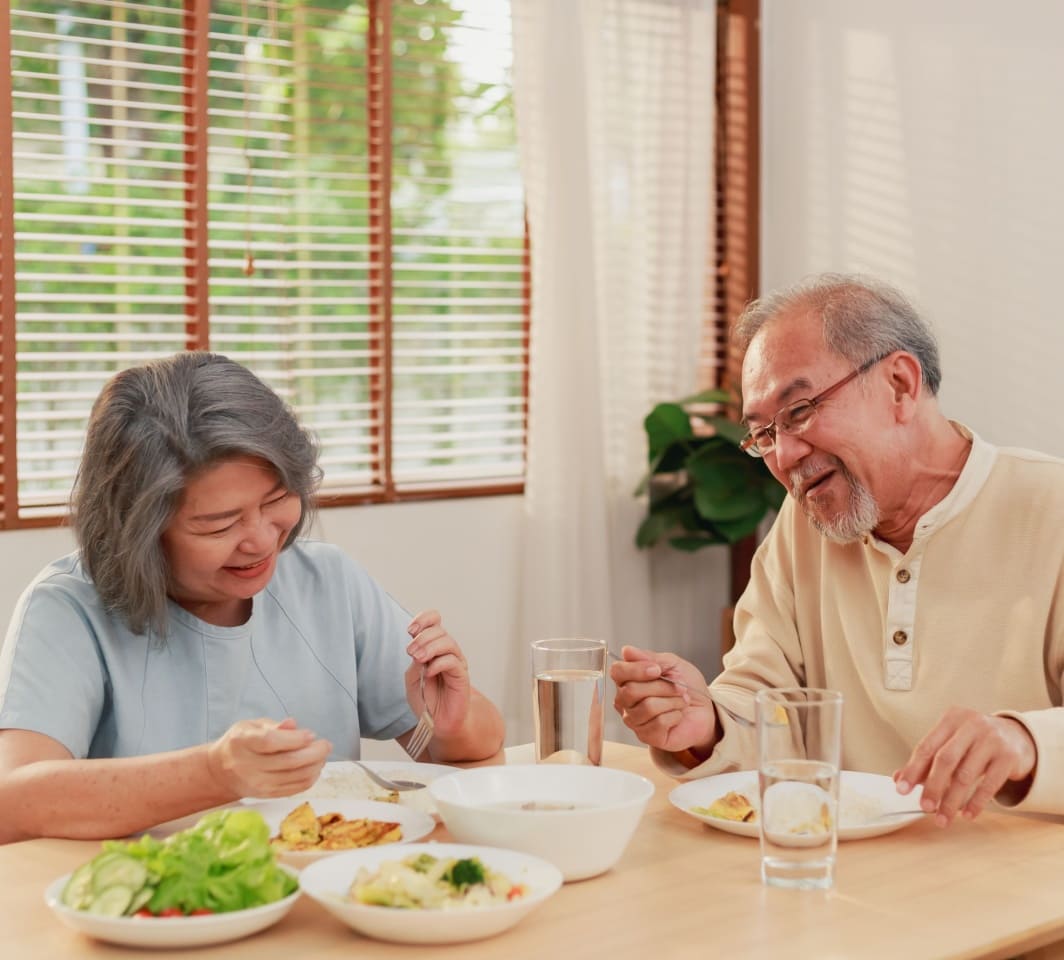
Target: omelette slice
column 732, row 806
column 299, row 829
column 348, row 834
column 303, row 830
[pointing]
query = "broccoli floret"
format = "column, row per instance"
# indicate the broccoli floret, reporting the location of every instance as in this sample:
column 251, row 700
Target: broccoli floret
column 465, row 873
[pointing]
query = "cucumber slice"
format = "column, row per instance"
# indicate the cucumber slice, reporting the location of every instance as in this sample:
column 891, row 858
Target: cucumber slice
column 118, row 870
column 112, row 902
column 141, row 897
column 77, row 894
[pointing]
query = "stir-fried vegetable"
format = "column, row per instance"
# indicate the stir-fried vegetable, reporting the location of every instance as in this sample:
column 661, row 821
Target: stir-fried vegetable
column 425, row 882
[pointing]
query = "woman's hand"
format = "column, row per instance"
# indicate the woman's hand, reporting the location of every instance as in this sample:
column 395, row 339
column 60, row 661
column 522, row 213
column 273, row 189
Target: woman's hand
column 264, row 758
column 437, row 652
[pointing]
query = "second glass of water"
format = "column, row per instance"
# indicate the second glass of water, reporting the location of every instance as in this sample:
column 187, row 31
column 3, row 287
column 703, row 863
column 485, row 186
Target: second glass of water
column 568, row 698
column 799, row 742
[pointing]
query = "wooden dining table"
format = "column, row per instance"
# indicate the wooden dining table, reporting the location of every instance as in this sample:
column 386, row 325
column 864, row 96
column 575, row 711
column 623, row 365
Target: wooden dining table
column 986, row 888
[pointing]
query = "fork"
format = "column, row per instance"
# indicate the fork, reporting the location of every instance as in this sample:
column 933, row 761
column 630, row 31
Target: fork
column 698, row 692
column 425, row 724
column 399, row 786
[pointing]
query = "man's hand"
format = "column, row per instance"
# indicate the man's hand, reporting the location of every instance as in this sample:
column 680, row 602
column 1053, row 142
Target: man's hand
column 965, row 760
column 658, row 712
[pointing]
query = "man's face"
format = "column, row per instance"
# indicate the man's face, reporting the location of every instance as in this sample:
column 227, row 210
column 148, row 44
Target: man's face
column 826, row 467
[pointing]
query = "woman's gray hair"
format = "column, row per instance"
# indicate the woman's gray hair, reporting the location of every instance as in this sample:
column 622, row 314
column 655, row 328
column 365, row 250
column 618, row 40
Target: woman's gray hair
column 152, row 427
column 862, row 319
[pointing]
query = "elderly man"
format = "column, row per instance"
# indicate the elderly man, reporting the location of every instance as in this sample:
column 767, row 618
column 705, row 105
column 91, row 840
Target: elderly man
column 914, row 567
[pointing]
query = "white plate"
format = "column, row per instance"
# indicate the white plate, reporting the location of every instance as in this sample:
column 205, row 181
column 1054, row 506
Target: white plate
column 414, row 824
column 341, row 778
column 329, row 880
column 862, row 797
column 169, row 931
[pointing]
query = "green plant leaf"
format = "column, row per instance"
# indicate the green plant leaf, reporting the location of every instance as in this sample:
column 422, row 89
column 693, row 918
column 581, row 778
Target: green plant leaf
column 652, row 529
column 729, row 429
column 702, row 489
column 736, row 530
column 666, row 424
column 663, row 518
column 739, row 503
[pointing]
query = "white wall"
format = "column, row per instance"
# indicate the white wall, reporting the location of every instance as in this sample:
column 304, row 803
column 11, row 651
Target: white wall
column 923, row 142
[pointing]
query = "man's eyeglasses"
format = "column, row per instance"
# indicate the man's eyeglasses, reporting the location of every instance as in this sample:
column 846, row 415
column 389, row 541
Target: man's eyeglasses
column 794, row 419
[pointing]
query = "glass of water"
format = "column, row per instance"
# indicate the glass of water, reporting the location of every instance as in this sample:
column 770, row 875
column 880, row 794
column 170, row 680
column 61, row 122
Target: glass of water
column 799, row 735
column 568, row 696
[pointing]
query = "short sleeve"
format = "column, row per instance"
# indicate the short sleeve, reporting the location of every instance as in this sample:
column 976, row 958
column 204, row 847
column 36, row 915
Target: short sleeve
column 52, row 677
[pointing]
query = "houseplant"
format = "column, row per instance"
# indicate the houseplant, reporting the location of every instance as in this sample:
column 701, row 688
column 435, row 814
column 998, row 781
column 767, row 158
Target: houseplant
column 701, row 488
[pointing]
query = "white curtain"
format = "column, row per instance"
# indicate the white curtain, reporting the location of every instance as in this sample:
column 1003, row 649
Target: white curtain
column 614, row 103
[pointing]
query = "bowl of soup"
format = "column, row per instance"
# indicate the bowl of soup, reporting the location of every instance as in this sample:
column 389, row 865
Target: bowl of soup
column 580, row 818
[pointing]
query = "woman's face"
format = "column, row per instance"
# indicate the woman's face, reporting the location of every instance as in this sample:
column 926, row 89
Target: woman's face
column 223, row 542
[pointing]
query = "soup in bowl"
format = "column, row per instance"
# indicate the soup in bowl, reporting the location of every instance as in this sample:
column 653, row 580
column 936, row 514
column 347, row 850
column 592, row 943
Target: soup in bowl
column 580, row 818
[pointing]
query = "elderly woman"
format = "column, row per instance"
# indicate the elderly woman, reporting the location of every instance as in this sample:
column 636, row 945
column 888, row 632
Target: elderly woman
column 194, row 649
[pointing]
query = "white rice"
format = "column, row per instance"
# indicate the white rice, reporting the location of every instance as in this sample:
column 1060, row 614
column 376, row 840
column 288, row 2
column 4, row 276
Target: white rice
column 856, row 809
column 346, row 781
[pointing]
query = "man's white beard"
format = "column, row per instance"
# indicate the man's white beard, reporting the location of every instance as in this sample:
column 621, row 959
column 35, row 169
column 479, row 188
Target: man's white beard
column 859, row 518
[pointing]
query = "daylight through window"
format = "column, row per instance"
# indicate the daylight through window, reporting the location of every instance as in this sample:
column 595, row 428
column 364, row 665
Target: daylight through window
column 328, row 192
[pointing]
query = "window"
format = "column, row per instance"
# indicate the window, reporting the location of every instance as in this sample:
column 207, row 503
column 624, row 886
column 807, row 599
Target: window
column 326, row 191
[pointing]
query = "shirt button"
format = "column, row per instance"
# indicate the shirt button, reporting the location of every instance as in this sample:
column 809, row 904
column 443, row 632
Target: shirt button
column 903, row 576
column 900, row 638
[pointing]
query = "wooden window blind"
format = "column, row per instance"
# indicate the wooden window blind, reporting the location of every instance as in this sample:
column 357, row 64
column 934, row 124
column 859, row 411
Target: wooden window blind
column 732, row 277
column 327, row 192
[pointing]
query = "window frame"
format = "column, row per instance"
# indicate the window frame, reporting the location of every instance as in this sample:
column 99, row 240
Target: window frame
column 379, row 72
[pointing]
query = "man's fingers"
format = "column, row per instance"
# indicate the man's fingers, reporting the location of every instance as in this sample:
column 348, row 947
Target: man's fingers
column 994, row 779
column 646, row 709
column 962, row 780
column 925, row 754
column 965, row 761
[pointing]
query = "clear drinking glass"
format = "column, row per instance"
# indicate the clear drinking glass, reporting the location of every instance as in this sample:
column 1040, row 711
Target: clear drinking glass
column 799, row 735
column 568, row 697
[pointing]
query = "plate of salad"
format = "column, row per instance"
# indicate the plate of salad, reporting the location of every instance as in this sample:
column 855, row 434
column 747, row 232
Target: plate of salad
column 216, row 881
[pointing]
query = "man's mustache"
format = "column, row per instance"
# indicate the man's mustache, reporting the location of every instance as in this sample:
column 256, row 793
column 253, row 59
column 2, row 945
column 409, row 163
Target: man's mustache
column 813, row 468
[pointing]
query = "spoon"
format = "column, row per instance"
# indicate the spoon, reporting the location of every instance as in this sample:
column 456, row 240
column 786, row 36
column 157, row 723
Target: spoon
column 397, row 785
column 698, row 692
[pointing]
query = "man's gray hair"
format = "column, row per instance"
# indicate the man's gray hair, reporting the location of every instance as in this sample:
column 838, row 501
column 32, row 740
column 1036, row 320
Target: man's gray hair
column 152, row 427
column 862, row 319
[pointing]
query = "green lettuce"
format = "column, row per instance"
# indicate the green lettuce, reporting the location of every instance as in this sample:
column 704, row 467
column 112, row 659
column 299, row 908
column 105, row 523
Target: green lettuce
column 223, row 863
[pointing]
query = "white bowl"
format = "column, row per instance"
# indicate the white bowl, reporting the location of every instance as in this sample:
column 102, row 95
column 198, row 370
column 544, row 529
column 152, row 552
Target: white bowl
column 169, row 931
column 328, row 882
column 599, row 811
